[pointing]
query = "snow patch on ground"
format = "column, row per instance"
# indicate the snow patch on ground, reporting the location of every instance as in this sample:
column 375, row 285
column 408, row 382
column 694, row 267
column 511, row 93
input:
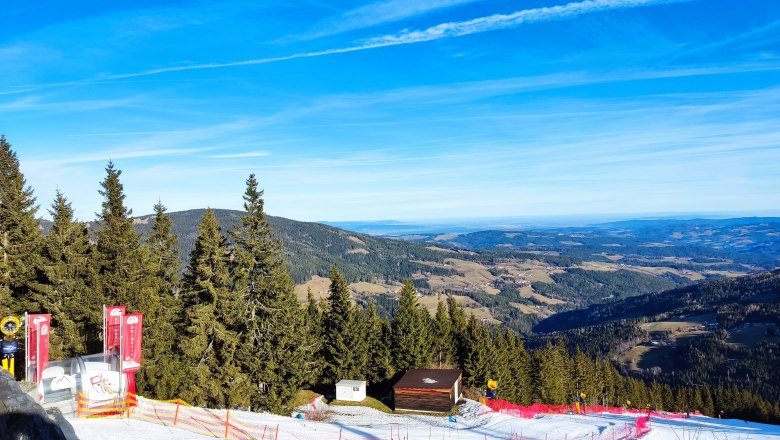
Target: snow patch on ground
column 474, row 422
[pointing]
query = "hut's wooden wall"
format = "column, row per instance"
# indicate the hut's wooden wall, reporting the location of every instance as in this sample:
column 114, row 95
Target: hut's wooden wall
column 418, row 399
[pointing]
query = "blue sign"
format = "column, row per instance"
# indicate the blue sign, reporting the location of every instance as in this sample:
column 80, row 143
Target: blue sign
column 453, row 419
column 9, row 346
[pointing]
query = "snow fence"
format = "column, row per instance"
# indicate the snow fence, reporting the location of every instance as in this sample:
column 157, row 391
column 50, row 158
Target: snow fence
column 640, row 428
column 214, row 423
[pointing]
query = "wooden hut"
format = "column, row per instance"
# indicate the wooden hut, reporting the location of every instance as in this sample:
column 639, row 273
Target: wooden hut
column 427, row 390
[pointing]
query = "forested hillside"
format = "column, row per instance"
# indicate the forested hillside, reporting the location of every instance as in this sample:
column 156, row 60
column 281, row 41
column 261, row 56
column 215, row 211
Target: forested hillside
column 229, row 332
column 716, row 333
column 313, row 248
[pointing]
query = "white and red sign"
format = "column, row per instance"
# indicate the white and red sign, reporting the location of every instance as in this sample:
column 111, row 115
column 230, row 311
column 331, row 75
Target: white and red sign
column 38, row 344
column 131, row 343
column 112, row 332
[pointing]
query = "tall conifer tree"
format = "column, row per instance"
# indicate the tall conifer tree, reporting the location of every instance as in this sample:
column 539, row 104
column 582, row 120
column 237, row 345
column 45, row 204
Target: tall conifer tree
column 344, row 346
column 162, row 370
column 213, row 321
column 21, row 240
column 443, row 345
column 119, row 265
column 272, row 351
column 411, row 338
column 66, row 288
column 379, row 365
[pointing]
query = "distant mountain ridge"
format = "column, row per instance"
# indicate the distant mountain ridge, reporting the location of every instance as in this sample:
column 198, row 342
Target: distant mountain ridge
column 313, row 248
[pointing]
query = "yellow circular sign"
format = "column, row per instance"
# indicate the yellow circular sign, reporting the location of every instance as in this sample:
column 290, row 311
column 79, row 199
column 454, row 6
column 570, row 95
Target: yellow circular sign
column 10, row 325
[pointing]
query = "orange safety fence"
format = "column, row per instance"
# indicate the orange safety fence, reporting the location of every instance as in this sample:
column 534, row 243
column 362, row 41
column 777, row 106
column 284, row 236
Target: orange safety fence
column 214, row 423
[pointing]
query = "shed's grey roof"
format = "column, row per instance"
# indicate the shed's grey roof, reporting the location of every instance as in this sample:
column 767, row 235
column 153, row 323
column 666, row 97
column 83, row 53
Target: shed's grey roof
column 351, row 383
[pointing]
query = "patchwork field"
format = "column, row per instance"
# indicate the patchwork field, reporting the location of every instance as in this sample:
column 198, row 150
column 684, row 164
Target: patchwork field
column 751, row 335
column 657, row 353
column 469, row 306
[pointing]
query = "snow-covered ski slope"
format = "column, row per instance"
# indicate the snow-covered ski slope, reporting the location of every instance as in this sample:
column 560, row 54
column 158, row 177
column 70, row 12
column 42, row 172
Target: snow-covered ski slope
column 474, row 422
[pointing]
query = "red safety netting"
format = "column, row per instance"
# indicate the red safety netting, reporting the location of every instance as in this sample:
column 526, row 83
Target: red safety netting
column 639, row 429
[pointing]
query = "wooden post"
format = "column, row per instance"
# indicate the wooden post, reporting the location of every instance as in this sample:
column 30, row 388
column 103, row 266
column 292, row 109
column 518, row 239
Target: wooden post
column 264, row 428
column 277, row 432
column 227, row 423
column 78, row 406
column 176, row 416
column 339, row 434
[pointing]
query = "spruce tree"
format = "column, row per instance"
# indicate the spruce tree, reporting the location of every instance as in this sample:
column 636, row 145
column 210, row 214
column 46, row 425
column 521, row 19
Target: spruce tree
column 314, row 337
column 162, row 369
column 21, row 240
column 411, row 339
column 443, row 345
column 458, row 330
column 66, row 288
column 379, row 365
column 344, row 339
column 477, row 361
column 520, row 370
column 272, row 351
column 118, row 246
column 212, row 325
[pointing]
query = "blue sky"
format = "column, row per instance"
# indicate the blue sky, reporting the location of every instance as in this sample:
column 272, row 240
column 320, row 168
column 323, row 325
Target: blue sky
column 420, row 109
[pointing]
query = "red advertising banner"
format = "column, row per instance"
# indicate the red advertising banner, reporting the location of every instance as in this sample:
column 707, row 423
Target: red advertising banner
column 131, row 347
column 38, row 351
column 113, row 329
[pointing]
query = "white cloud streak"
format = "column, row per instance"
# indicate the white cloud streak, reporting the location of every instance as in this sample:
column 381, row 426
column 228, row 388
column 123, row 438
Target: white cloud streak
column 247, row 154
column 506, row 21
column 380, row 13
column 444, row 30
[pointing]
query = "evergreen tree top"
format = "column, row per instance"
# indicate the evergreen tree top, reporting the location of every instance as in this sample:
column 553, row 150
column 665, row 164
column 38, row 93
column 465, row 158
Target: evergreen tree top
column 114, row 197
column 61, row 212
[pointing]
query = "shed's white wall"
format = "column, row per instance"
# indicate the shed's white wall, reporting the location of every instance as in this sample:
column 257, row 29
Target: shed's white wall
column 349, row 393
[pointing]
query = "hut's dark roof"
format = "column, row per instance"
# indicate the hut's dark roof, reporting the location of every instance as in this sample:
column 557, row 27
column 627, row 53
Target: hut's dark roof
column 428, row 378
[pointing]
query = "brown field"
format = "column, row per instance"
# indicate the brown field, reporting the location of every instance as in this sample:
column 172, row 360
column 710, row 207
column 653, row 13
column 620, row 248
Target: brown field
column 372, row 288
column 319, row 287
column 678, row 324
column 597, row 265
column 751, row 336
column 354, row 239
column 611, row 257
column 725, row 273
column 528, row 292
column 469, row 306
column 443, row 237
column 473, row 276
column 525, row 308
column 358, row 251
column 438, row 249
column 647, row 356
column 550, row 253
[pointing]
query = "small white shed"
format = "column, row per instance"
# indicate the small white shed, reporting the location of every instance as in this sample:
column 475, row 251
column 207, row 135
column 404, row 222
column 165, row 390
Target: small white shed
column 351, row 390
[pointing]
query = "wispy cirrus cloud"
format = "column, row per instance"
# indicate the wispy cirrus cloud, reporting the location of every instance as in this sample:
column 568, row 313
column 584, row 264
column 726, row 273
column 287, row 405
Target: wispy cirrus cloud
column 506, row 21
column 243, row 155
column 444, row 30
column 379, row 13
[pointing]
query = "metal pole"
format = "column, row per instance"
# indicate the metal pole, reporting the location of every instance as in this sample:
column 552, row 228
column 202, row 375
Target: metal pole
column 37, row 353
column 26, row 347
column 105, row 333
column 122, row 384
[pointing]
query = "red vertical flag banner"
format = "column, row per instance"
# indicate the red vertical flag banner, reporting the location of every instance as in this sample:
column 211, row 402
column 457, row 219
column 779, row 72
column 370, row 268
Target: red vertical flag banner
column 112, row 331
column 131, row 350
column 38, row 351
